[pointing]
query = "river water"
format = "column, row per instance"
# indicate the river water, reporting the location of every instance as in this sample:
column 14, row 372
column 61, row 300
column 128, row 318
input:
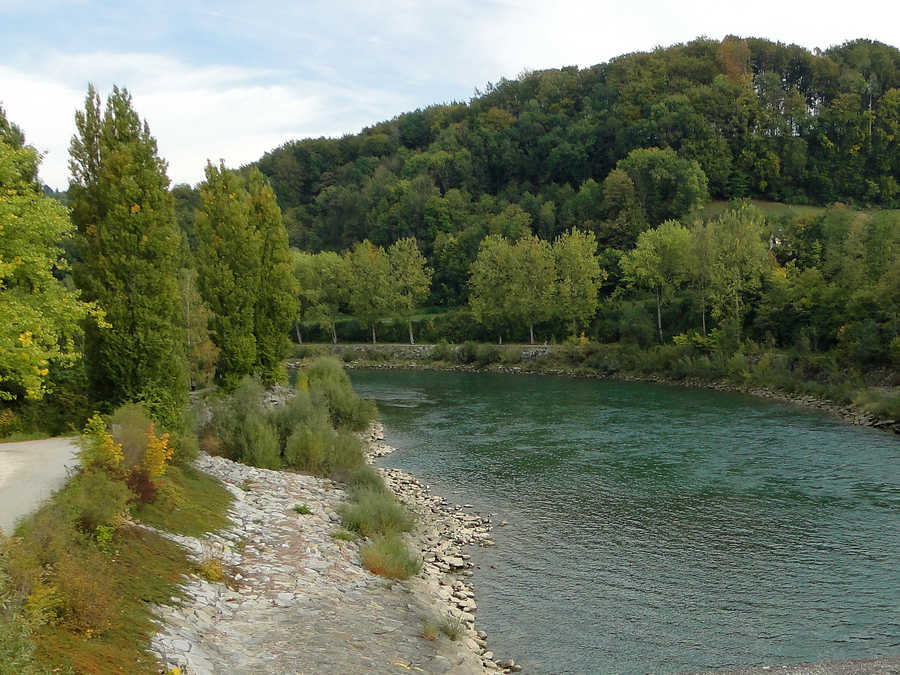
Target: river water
column 654, row 528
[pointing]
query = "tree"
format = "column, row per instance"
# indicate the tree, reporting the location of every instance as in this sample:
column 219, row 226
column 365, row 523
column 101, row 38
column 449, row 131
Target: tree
column 229, row 252
column 741, row 256
column 321, row 278
column 370, row 291
column 666, row 186
column 41, row 318
column 659, row 262
column 411, row 279
column 276, row 288
column 129, row 244
column 490, row 283
column 513, row 283
column 202, row 352
column 578, row 276
column 534, row 282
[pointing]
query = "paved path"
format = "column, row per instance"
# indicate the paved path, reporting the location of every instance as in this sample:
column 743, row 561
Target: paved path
column 29, row 473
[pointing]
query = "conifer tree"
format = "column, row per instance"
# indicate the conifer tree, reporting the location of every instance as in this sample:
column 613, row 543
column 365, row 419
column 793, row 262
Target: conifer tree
column 128, row 245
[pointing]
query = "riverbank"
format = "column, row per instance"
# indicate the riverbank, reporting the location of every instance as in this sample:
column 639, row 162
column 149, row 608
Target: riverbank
column 547, row 360
column 293, row 595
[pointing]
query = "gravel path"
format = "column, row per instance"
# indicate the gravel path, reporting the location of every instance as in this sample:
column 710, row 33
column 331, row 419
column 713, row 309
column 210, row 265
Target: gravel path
column 299, row 600
column 30, row 471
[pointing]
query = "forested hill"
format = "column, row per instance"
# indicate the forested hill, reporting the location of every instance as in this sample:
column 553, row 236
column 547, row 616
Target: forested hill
column 762, row 119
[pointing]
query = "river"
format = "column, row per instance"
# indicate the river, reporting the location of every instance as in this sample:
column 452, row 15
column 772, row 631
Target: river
column 655, row 528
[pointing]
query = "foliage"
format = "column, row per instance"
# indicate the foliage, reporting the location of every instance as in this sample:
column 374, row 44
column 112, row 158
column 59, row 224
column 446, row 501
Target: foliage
column 128, row 246
column 93, row 499
column 328, row 379
column 411, row 279
column 41, row 316
column 371, row 293
column 157, row 454
column 98, row 450
column 389, row 556
column 374, row 512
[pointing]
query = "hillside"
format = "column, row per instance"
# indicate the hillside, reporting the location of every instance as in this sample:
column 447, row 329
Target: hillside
column 762, row 119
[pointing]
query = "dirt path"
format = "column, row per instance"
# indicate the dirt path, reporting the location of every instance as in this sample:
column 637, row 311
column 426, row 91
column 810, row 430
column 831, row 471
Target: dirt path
column 29, row 473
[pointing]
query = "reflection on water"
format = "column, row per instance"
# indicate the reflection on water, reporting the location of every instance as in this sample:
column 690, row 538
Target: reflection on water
column 655, row 528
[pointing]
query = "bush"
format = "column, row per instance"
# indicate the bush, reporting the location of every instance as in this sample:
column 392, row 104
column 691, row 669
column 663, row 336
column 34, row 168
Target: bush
column 88, row 604
column 467, row 352
column 307, row 448
column 94, row 498
column 364, row 477
column 442, row 351
column 389, row 556
column 329, row 380
column 129, row 424
column 260, row 444
column 374, row 512
column 486, row 354
column 98, row 450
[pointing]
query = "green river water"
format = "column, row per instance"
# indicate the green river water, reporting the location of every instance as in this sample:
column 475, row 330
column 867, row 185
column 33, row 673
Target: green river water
column 654, row 528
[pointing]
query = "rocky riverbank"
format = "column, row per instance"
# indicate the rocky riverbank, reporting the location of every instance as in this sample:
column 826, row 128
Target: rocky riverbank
column 281, row 594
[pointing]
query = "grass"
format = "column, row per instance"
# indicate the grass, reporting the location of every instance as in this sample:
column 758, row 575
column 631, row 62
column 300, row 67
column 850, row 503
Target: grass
column 146, row 569
column 77, row 584
column 302, row 509
column 372, row 513
column 200, row 505
column 343, row 535
column 389, row 556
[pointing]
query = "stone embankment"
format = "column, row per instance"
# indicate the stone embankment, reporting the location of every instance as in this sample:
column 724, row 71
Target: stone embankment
column 295, row 599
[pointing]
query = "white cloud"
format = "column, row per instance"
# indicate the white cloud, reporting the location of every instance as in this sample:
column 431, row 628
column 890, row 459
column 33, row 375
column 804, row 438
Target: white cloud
column 195, row 113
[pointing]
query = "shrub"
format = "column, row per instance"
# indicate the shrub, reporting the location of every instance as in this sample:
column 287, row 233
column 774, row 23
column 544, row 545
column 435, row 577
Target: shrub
column 486, row 354
column 374, row 512
column 141, row 486
column 94, row 498
column 307, row 448
column 88, row 602
column 467, row 352
column 156, row 454
column 261, row 447
column 298, row 410
column 389, row 556
column 98, row 450
column 129, row 424
column 364, row 477
column 329, row 381
column 511, row 357
column 302, row 509
column 442, row 351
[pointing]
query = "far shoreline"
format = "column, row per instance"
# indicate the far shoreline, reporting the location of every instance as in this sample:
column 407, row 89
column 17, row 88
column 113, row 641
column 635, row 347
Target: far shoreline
column 388, row 356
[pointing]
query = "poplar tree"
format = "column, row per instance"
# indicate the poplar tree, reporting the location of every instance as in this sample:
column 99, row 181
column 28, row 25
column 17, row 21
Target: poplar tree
column 229, row 252
column 128, row 245
column 276, row 288
column 578, row 276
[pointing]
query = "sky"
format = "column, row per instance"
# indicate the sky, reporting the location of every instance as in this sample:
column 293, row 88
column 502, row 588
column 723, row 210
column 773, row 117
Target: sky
column 233, row 80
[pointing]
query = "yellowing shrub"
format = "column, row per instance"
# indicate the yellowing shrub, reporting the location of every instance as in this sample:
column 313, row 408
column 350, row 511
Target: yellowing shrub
column 98, row 450
column 157, row 454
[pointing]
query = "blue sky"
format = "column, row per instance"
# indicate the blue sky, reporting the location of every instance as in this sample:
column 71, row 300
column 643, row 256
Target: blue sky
column 232, row 80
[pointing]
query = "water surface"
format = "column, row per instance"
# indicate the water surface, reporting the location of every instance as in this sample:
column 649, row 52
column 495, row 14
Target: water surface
column 655, row 528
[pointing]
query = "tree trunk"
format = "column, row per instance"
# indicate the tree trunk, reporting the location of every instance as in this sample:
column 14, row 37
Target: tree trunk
column 373, row 332
column 500, row 339
column 703, row 314
column 297, row 331
column 659, row 314
column 411, row 339
column 531, row 332
column 333, row 334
